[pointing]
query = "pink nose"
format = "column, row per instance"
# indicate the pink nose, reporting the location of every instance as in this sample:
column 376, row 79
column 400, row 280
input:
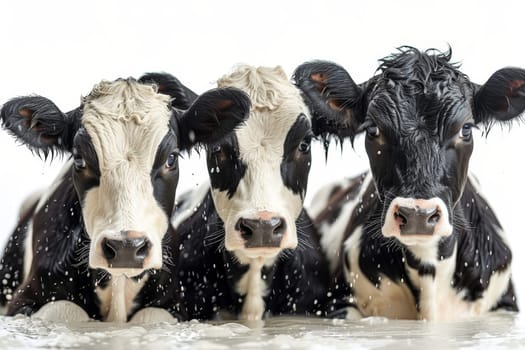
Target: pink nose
column 417, row 217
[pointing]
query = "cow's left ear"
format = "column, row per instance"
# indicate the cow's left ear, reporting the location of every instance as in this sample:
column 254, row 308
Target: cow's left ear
column 332, row 96
column 502, row 97
column 212, row 116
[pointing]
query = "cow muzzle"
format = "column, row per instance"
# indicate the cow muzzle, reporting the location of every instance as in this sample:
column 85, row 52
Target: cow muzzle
column 126, row 253
column 260, row 233
column 417, row 220
column 411, row 219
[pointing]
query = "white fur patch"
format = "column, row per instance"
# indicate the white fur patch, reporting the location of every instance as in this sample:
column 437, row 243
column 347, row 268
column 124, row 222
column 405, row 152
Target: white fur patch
column 28, row 249
column 253, row 288
column 126, row 122
column 117, row 299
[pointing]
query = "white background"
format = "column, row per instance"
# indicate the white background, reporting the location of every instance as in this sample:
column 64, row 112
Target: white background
column 60, row 49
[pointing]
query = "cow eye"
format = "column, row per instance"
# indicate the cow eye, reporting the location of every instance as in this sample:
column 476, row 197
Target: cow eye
column 78, row 162
column 172, row 160
column 372, row 131
column 304, row 146
column 216, row 149
column 466, row 131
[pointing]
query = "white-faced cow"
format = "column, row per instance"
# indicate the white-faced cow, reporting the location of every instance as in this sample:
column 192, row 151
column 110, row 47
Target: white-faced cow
column 95, row 237
column 414, row 238
column 247, row 247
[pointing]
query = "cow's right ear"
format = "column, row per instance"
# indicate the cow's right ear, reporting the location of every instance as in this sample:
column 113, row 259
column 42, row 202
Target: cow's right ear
column 181, row 96
column 39, row 124
column 332, row 96
column 213, row 115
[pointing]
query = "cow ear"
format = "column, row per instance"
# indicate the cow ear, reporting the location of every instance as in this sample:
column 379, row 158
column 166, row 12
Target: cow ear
column 332, row 96
column 167, row 84
column 38, row 123
column 212, row 116
column 502, row 97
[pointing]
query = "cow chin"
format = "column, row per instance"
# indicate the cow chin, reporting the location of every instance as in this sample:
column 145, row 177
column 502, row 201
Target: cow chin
column 415, row 239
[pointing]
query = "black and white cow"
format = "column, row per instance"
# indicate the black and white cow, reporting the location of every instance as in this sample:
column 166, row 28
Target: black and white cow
column 95, row 237
column 414, row 238
column 247, row 248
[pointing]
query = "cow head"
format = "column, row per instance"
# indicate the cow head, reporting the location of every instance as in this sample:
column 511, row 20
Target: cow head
column 259, row 173
column 418, row 113
column 124, row 142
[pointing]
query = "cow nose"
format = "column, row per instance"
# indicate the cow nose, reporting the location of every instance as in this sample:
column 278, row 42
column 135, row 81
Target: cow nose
column 260, row 233
column 126, row 253
column 417, row 220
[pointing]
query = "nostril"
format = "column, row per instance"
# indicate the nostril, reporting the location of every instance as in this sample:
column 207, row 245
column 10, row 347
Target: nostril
column 432, row 220
column 279, row 226
column 143, row 249
column 109, row 251
column 400, row 218
column 246, row 231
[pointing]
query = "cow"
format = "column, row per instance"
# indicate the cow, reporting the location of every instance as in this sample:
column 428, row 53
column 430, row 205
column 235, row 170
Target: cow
column 247, row 248
column 413, row 238
column 89, row 243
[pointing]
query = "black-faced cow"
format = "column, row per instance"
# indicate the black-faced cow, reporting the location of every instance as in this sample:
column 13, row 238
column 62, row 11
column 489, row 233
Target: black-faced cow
column 247, row 246
column 414, row 238
column 98, row 233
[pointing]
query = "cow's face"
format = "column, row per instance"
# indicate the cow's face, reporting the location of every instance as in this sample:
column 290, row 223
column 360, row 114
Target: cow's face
column 259, row 173
column 125, row 170
column 418, row 114
column 125, row 140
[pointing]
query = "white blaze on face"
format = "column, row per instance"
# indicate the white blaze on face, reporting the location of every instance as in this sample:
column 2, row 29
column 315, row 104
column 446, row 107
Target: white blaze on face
column 126, row 122
column 261, row 192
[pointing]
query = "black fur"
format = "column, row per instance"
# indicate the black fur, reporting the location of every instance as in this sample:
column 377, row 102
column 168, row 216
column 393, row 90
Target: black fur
column 225, row 166
column 12, row 262
column 59, row 270
column 297, row 157
column 218, row 111
column 182, row 96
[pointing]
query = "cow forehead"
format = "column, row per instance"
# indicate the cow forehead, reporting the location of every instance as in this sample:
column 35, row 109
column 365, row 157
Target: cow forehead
column 431, row 111
column 276, row 104
column 126, row 121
